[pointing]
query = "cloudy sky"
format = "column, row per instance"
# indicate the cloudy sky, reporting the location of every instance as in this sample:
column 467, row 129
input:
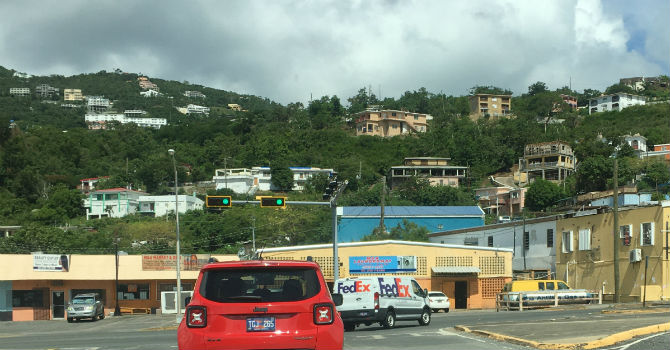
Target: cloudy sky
column 286, row 50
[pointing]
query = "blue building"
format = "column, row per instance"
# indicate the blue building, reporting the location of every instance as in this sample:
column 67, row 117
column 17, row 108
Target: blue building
column 356, row 222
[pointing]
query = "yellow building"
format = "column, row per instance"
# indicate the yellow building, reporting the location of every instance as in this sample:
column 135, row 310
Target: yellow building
column 388, row 123
column 552, row 161
column 72, row 95
column 585, row 255
column 470, row 276
column 488, row 105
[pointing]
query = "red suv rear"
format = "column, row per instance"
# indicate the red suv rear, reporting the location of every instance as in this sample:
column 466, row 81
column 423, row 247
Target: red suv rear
column 261, row 305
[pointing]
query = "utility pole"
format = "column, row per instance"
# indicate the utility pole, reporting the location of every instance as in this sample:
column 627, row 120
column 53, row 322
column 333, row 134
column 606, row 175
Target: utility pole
column 381, row 218
column 253, row 234
column 117, row 309
column 333, row 206
column 617, row 297
column 225, row 169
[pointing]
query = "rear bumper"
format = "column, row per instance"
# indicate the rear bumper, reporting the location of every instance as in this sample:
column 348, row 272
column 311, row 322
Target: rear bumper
column 363, row 315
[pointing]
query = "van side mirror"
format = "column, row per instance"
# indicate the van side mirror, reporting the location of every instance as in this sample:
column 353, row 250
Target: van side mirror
column 187, row 300
column 337, row 299
column 425, row 292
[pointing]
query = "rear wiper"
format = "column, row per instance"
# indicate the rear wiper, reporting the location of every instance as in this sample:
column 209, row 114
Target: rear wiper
column 245, row 297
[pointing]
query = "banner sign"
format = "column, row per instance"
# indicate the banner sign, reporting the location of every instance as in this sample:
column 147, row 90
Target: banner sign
column 382, row 264
column 166, row 262
column 51, row 262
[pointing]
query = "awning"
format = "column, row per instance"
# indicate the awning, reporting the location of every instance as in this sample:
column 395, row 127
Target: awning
column 456, row 269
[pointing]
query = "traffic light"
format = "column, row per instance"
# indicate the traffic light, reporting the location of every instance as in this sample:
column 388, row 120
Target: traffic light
column 273, row 202
column 219, row 202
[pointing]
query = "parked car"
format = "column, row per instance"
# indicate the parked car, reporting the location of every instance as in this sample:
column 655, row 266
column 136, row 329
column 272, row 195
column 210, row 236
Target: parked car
column 87, row 305
column 438, row 301
column 261, row 304
column 381, row 299
column 543, row 292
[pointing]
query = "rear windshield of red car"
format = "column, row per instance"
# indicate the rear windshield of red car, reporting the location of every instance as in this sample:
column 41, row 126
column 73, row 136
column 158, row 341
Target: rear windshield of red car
column 259, row 285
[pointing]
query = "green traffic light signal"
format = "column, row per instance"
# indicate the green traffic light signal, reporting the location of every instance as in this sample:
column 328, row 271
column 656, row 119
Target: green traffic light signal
column 273, row 202
column 219, row 202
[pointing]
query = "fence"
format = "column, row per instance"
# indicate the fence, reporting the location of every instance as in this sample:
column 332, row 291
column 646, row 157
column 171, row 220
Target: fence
column 541, row 299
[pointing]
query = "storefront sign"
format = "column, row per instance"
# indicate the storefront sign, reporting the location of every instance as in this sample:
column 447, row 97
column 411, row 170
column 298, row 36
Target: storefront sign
column 382, row 264
column 51, row 262
column 163, row 262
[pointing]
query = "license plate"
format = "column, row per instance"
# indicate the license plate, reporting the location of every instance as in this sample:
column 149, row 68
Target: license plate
column 260, row 324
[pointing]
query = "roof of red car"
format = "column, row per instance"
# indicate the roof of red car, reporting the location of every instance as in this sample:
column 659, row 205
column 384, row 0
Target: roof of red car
column 260, row 263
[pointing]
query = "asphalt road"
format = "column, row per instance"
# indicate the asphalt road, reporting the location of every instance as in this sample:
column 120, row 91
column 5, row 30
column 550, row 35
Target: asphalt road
column 158, row 332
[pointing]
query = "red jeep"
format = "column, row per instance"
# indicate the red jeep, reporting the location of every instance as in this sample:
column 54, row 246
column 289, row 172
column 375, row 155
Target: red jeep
column 261, row 305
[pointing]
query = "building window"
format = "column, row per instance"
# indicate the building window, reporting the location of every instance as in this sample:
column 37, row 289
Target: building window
column 585, row 239
column 526, row 240
column 625, row 231
column 471, row 241
column 393, row 114
column 647, row 233
column 27, row 298
column 490, row 242
column 550, row 238
column 566, row 244
column 134, row 291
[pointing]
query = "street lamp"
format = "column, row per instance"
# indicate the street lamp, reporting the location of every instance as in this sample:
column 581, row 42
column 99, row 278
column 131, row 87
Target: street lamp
column 176, row 210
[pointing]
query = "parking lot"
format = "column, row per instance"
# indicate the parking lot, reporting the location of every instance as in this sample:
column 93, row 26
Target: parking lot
column 567, row 325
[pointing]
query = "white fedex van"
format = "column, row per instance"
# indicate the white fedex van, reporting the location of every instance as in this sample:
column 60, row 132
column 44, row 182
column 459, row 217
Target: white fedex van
column 382, row 299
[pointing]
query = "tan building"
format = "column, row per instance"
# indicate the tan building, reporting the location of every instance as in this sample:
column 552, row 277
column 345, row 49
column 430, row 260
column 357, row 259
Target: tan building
column 388, row 123
column 72, row 95
column 469, row 276
column 436, row 170
column 585, row 258
column 487, row 105
column 31, row 290
column 552, row 161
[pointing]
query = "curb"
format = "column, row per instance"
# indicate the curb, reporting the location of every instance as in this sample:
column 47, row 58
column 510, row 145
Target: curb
column 606, row 341
column 637, row 311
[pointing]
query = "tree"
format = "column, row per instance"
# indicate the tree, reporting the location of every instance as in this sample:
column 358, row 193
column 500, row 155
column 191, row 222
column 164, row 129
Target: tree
column 407, row 231
column 593, row 173
column 542, row 194
column 282, row 177
column 537, row 88
column 619, row 88
column 657, row 173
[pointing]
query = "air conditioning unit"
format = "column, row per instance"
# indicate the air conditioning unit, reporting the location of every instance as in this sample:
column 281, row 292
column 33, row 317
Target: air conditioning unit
column 635, row 255
column 407, row 262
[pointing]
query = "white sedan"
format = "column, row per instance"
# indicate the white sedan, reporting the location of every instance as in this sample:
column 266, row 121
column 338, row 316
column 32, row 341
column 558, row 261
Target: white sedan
column 438, row 301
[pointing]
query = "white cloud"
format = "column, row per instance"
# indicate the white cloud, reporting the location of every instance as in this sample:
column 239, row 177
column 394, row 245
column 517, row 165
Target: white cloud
column 289, row 49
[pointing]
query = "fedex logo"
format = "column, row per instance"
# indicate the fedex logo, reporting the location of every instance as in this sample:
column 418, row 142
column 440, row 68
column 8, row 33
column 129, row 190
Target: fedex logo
column 396, row 288
column 357, row 287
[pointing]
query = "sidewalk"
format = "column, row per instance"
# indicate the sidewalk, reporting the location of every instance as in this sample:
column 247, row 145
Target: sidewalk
column 603, row 327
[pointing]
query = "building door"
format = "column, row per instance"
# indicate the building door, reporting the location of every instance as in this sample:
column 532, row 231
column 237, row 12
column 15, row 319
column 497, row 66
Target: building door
column 57, row 304
column 461, row 294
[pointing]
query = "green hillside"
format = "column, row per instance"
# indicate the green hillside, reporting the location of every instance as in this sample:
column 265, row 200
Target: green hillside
column 48, row 149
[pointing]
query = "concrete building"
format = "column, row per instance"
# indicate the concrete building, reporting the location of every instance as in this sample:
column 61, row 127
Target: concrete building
column 235, row 107
column 39, row 286
column 97, row 104
column 585, row 251
column 72, row 95
column 100, row 121
column 195, row 109
column 194, row 94
column 436, row 170
column 20, row 92
column 488, row 105
column 552, row 161
column 532, row 243
column 113, row 202
column 614, row 102
column 46, row 91
column 150, row 93
column 87, row 185
column 357, row 222
column 145, row 84
column 503, row 200
column 163, row 205
column 638, row 83
column 244, row 180
column 375, row 121
column 469, row 276
column 661, row 151
column 134, row 113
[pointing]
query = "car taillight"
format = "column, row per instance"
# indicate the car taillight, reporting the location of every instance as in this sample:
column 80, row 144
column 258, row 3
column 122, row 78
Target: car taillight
column 323, row 314
column 376, row 300
column 196, row 316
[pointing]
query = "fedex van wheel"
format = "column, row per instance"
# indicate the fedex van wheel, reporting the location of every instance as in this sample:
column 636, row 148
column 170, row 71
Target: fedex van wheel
column 389, row 320
column 425, row 317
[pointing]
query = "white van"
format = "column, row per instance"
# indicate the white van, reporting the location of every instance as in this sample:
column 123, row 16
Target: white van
column 381, row 299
